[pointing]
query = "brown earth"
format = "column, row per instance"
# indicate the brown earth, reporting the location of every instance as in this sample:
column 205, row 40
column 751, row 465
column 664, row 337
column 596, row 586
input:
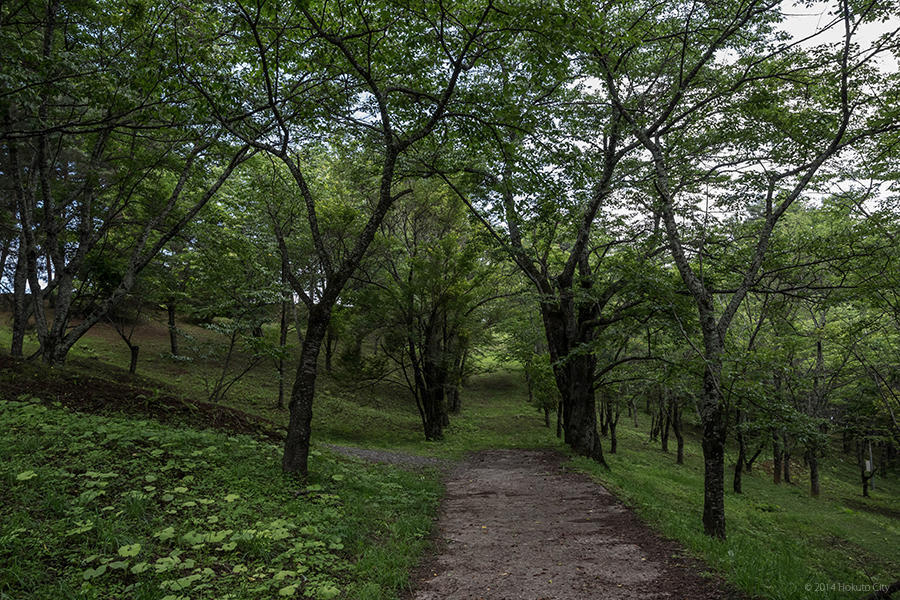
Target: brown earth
column 515, row 525
column 123, row 393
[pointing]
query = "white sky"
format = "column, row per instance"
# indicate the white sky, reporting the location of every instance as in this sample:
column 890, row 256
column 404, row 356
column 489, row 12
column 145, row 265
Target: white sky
column 803, row 21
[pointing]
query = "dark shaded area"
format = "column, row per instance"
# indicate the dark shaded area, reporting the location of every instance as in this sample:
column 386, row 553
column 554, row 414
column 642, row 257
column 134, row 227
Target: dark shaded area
column 120, row 393
column 884, row 511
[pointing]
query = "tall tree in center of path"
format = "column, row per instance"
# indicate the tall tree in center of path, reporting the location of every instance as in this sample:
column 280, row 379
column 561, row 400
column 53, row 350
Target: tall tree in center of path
column 738, row 122
column 295, row 79
column 548, row 164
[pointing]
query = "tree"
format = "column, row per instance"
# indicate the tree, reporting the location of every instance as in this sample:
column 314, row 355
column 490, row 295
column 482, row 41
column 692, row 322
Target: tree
column 545, row 157
column 95, row 156
column 288, row 78
column 673, row 91
column 428, row 298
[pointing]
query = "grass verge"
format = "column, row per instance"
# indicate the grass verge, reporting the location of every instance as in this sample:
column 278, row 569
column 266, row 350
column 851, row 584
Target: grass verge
column 782, row 544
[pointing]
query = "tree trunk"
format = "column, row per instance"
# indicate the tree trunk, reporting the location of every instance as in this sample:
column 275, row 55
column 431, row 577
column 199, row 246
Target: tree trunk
column 430, row 379
column 634, row 412
column 666, row 419
column 173, row 330
column 677, row 430
column 529, row 385
column 872, row 462
column 434, row 409
column 748, row 463
column 581, row 424
column 457, row 373
column 786, row 459
column 604, row 425
column 546, row 417
column 282, row 345
column 296, row 445
column 776, row 458
column 742, row 454
column 20, row 307
column 714, row 435
column 454, row 405
column 575, row 381
column 866, row 478
column 55, row 345
column 559, row 409
column 813, row 461
column 132, row 367
column 7, row 245
column 846, row 442
column 613, row 421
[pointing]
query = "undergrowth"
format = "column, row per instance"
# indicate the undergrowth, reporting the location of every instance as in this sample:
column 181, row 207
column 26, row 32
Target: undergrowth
column 101, row 507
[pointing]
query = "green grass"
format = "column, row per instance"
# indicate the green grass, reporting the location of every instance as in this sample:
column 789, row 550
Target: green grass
column 494, row 415
column 779, row 539
column 107, row 507
column 782, row 544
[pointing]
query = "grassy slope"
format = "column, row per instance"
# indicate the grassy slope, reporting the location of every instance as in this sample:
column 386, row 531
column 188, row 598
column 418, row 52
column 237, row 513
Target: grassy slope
column 782, row 544
column 105, row 507
column 780, row 540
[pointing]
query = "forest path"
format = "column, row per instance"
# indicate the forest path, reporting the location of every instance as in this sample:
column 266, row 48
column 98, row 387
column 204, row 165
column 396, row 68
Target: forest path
column 516, row 525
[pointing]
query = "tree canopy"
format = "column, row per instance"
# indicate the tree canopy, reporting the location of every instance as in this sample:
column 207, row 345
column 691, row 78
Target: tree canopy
column 684, row 202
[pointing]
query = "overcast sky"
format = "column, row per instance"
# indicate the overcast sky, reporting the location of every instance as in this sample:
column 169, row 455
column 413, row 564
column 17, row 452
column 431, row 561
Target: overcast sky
column 806, row 20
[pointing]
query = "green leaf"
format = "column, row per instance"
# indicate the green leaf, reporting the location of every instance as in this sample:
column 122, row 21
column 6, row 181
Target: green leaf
column 130, row 550
column 26, row 475
column 92, row 573
column 140, row 568
column 327, row 592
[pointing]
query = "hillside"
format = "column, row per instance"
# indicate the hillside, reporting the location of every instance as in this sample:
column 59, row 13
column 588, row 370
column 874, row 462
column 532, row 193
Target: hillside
column 128, row 485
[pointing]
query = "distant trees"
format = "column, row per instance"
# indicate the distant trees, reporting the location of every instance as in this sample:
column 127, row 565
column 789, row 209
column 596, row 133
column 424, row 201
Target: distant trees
column 430, row 285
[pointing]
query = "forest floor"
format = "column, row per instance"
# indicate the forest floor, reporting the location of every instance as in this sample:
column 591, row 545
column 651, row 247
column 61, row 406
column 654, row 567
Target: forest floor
column 782, row 544
column 518, row 525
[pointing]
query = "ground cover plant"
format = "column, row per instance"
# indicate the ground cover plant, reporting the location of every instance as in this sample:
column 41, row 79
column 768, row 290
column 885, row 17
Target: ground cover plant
column 425, row 229
column 108, row 507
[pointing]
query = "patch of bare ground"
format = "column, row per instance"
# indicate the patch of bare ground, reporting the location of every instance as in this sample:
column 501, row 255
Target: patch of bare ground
column 515, row 525
column 121, row 393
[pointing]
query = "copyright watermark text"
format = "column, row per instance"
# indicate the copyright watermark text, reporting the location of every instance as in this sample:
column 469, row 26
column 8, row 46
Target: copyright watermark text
column 833, row 586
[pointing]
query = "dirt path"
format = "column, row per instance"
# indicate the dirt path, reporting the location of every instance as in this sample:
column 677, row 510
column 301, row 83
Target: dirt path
column 516, row 526
column 400, row 459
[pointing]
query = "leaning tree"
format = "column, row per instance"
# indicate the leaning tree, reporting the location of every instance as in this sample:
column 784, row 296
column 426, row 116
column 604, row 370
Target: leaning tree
column 370, row 79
